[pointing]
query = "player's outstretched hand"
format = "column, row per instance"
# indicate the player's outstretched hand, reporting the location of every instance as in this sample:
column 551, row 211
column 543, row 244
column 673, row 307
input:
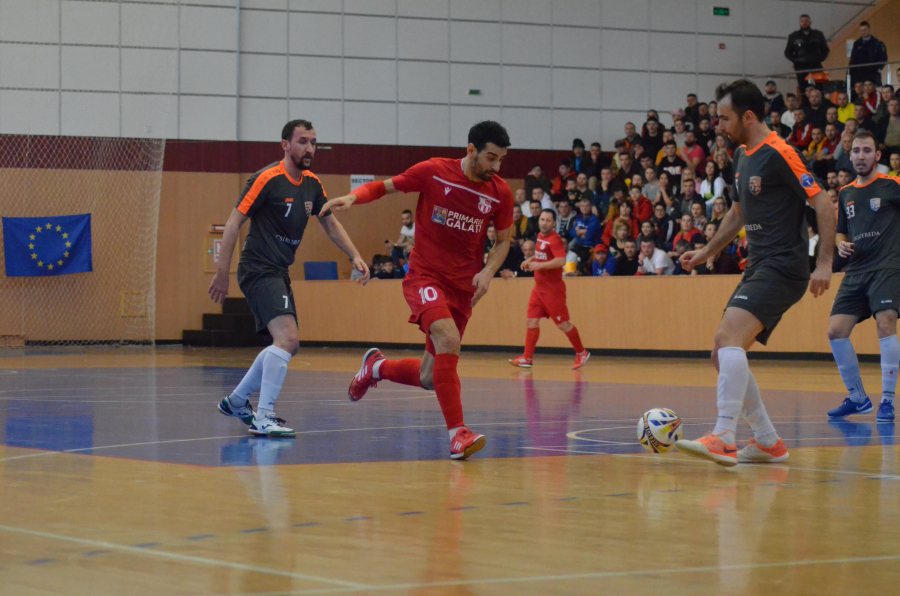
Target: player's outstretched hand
column 361, row 266
column 845, row 249
column 218, row 289
column 820, row 280
column 339, row 204
column 526, row 265
column 692, row 258
column 482, row 282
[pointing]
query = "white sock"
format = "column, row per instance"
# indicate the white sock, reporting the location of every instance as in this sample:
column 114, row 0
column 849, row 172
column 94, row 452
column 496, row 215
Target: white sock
column 376, row 368
column 754, row 412
column 249, row 383
column 452, row 431
column 848, row 366
column 890, row 362
column 734, row 374
column 274, row 371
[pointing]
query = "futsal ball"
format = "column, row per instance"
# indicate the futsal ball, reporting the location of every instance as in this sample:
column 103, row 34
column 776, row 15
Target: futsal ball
column 658, row 429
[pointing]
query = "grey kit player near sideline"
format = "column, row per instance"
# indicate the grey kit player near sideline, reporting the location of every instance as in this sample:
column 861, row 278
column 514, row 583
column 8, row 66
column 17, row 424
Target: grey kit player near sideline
column 869, row 234
column 773, row 184
column 279, row 201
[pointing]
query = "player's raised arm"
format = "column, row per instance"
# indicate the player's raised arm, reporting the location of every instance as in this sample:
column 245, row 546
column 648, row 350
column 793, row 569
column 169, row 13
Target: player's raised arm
column 371, row 191
column 820, row 280
column 729, row 228
column 218, row 289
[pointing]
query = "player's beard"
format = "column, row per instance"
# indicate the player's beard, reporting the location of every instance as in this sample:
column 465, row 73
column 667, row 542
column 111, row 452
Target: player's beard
column 481, row 173
column 304, row 163
column 868, row 170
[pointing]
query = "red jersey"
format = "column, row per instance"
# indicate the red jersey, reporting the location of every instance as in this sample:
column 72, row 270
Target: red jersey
column 452, row 217
column 547, row 248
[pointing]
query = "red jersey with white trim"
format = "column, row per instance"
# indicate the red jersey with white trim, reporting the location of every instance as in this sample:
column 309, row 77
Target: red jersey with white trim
column 452, row 217
column 547, row 248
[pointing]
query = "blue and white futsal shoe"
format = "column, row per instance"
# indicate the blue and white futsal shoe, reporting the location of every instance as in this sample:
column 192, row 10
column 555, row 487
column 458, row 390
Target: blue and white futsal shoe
column 885, row 412
column 850, row 407
column 245, row 412
column 270, row 426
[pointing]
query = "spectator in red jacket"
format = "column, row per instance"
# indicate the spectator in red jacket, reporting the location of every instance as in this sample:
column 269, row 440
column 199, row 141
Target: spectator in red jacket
column 802, row 133
column 643, row 210
column 625, row 215
column 688, row 231
column 565, row 173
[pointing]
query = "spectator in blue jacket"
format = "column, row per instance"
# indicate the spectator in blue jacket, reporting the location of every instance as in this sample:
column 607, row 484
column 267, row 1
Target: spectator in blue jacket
column 586, row 234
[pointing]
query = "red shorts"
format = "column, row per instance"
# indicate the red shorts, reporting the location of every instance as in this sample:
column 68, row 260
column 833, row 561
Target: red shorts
column 431, row 300
column 547, row 305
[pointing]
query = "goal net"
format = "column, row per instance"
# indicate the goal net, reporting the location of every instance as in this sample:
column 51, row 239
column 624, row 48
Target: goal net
column 117, row 181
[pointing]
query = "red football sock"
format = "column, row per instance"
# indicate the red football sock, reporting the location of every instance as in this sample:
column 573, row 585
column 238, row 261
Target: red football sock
column 531, row 337
column 405, row 372
column 575, row 339
column 447, row 387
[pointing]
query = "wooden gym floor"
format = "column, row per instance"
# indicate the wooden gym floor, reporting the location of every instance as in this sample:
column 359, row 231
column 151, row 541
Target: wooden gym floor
column 118, row 476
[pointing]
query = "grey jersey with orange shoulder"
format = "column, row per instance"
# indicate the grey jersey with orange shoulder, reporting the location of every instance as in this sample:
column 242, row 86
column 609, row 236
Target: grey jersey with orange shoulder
column 773, row 185
column 869, row 216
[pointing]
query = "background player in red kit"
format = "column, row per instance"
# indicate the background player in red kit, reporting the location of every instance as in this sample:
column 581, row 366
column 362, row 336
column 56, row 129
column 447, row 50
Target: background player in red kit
column 548, row 298
column 457, row 200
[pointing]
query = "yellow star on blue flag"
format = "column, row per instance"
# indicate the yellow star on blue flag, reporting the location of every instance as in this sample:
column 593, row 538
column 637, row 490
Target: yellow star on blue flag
column 47, row 245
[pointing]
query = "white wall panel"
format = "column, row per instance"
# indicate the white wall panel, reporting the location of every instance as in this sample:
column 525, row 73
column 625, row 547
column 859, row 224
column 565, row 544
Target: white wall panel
column 94, row 23
column 462, row 118
column 469, row 76
column 669, row 92
column 325, row 116
column 568, row 125
column 585, row 13
column 769, row 17
column 150, row 25
column 476, row 10
column 154, row 71
column 29, row 112
column 528, row 129
column 614, row 128
column 673, row 15
column 622, row 90
column 212, row 73
column 317, row 5
column 706, row 86
column 370, row 79
column 628, row 14
column 35, row 21
column 762, row 56
column 576, row 47
column 526, row 11
column 376, row 7
column 208, row 28
column 90, row 69
column 424, row 81
column 526, row 44
column 625, row 49
column 712, row 59
column 208, row 118
column 315, row 77
column 370, row 123
column 577, row 88
column 439, row 9
column 423, row 40
column 150, row 116
column 262, row 119
column 90, row 114
column 424, row 125
column 29, row 66
column 264, row 31
column 265, row 4
column 316, row 34
column 673, row 52
column 526, row 86
column 264, row 76
column 370, row 37
column 475, row 42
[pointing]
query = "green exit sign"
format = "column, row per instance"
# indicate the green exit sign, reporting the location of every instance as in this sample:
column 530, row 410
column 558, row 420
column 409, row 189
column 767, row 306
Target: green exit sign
column 721, row 11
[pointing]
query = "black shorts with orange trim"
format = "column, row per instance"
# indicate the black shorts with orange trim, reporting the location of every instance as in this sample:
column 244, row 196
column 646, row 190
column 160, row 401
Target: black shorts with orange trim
column 865, row 294
column 767, row 294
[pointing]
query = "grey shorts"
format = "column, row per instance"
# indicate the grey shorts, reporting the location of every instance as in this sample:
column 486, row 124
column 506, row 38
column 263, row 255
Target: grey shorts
column 864, row 294
column 268, row 294
column 767, row 294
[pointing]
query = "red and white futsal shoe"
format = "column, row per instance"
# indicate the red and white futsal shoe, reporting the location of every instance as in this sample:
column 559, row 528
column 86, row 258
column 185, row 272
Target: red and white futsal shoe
column 521, row 362
column 465, row 444
column 364, row 379
column 580, row 359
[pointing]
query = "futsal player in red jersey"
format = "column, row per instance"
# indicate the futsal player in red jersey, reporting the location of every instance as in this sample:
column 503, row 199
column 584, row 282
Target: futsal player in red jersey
column 548, row 298
column 447, row 271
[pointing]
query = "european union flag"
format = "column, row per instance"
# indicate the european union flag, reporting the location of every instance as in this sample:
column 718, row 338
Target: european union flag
column 36, row 246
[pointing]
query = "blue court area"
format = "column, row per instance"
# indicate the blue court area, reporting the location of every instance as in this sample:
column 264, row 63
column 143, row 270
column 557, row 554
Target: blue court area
column 169, row 415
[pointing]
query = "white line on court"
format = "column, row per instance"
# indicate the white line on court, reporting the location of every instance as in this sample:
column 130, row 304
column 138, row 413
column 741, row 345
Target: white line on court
column 180, row 558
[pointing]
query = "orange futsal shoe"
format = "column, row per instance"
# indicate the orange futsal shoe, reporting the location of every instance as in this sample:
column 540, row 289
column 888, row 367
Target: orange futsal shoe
column 521, row 362
column 710, row 447
column 580, row 359
column 364, row 379
column 754, row 453
column 465, row 444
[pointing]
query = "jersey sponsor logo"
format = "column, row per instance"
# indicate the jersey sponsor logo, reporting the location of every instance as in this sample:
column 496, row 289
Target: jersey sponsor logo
column 446, row 190
column 540, row 255
column 458, row 221
column 867, row 235
column 807, row 181
column 439, row 215
column 755, row 184
column 753, row 227
column 308, row 205
column 290, row 241
column 484, row 205
column 875, row 204
column 288, row 200
column 741, row 297
column 887, row 301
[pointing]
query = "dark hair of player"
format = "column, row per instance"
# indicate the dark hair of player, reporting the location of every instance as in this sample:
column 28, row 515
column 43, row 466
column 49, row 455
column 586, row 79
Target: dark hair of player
column 865, row 134
column 406, row 212
column 488, row 132
column 550, row 211
column 288, row 131
column 745, row 97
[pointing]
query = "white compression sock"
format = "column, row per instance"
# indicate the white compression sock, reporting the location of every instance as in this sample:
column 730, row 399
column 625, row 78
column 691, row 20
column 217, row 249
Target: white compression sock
column 376, row 370
column 249, row 383
column 274, row 370
column 754, row 412
column 890, row 362
column 848, row 366
column 734, row 374
column 452, row 431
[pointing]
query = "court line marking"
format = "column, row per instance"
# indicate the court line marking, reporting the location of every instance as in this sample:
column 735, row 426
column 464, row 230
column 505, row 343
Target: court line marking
column 182, row 558
column 578, row 576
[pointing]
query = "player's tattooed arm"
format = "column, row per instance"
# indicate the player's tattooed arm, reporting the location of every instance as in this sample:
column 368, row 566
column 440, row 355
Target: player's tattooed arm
column 820, row 280
column 371, row 191
column 218, row 289
column 495, row 259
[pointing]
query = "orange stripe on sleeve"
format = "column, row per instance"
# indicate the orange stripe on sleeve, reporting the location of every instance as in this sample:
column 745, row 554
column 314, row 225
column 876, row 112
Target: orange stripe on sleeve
column 257, row 187
column 308, row 173
column 796, row 164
